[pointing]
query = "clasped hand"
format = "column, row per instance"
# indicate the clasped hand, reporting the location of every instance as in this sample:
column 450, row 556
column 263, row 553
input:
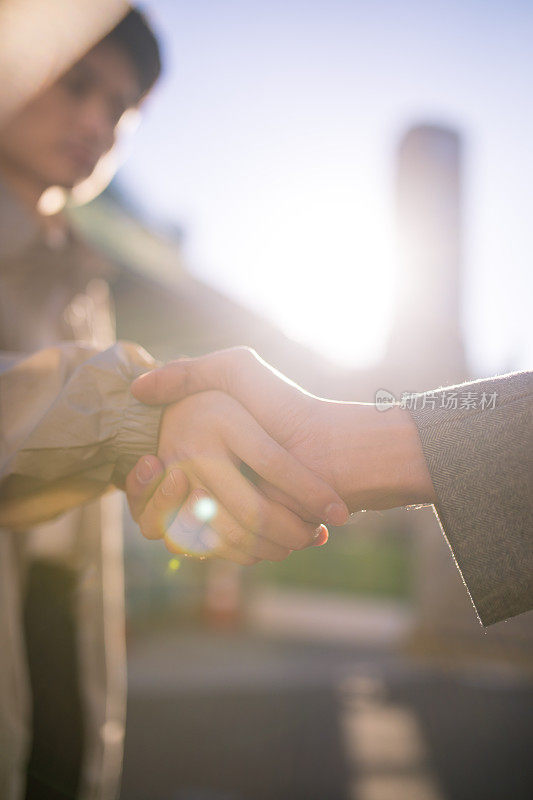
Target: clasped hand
column 195, row 496
column 312, row 460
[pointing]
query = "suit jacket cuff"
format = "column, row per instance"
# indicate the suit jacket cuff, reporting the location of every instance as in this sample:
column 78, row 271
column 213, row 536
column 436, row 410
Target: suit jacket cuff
column 477, row 442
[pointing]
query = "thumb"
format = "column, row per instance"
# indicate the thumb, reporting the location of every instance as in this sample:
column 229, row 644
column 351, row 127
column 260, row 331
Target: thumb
column 160, row 386
column 178, row 379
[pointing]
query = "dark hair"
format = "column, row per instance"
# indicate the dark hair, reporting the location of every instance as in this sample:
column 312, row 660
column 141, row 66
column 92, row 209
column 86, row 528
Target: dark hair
column 135, row 36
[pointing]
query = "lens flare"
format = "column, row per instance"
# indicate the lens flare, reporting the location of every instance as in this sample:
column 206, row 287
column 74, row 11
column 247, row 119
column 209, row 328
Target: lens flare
column 190, row 533
column 205, row 509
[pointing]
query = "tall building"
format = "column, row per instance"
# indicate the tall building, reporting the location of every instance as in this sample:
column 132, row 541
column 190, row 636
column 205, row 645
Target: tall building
column 426, row 341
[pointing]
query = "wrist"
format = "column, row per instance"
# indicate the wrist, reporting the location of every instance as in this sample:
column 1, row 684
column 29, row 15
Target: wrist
column 413, row 477
column 137, row 435
column 375, row 457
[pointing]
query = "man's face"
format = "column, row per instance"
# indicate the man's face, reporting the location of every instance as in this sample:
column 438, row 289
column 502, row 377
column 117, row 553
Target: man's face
column 59, row 137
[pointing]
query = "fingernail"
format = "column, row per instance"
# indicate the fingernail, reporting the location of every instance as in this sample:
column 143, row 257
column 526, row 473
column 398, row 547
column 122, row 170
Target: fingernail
column 169, row 485
column 321, row 536
column 145, row 471
column 336, row 514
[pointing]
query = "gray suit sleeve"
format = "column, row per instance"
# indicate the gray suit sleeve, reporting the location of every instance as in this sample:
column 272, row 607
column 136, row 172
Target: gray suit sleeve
column 477, row 440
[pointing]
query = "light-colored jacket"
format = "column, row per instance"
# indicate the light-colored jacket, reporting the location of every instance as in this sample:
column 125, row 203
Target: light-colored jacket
column 69, row 429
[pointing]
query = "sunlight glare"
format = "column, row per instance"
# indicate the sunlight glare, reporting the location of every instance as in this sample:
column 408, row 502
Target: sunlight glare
column 329, row 275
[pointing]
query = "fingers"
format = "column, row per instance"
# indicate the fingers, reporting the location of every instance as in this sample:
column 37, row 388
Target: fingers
column 238, row 371
column 141, row 482
column 179, row 378
column 203, row 527
column 159, row 511
column 251, row 509
column 278, row 467
column 226, row 552
column 322, row 537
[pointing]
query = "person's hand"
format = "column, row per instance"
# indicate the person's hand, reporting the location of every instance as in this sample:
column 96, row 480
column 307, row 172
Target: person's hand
column 372, row 458
column 203, row 441
column 154, row 496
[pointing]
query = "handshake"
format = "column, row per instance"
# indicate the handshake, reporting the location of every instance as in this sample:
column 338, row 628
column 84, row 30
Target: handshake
column 251, row 467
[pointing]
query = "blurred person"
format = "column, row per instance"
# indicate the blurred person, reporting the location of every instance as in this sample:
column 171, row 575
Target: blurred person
column 472, row 461
column 71, row 430
column 62, row 676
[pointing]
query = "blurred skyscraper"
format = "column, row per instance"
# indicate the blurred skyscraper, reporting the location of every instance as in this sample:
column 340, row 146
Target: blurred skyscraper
column 426, row 337
column 426, row 350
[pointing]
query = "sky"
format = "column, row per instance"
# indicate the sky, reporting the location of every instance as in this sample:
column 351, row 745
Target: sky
column 271, row 142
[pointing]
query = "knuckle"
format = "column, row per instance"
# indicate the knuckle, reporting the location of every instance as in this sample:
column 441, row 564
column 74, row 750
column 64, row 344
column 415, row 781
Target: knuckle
column 247, row 354
column 235, row 535
column 187, row 451
column 252, row 519
column 191, row 505
column 148, row 529
column 181, row 481
column 273, row 459
column 281, row 554
column 171, row 490
column 317, row 496
column 160, row 499
column 267, row 522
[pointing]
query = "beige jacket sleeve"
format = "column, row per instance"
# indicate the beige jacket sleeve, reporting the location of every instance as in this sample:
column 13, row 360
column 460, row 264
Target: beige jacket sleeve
column 69, row 427
column 477, row 440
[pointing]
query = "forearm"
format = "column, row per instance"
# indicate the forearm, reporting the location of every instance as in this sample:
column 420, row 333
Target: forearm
column 70, row 427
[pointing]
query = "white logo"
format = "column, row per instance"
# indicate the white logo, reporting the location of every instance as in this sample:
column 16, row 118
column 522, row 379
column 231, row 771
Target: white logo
column 384, row 400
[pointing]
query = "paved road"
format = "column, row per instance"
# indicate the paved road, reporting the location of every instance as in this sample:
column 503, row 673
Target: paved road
column 237, row 717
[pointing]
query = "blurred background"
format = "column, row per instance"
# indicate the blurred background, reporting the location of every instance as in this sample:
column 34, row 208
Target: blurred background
column 346, row 187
